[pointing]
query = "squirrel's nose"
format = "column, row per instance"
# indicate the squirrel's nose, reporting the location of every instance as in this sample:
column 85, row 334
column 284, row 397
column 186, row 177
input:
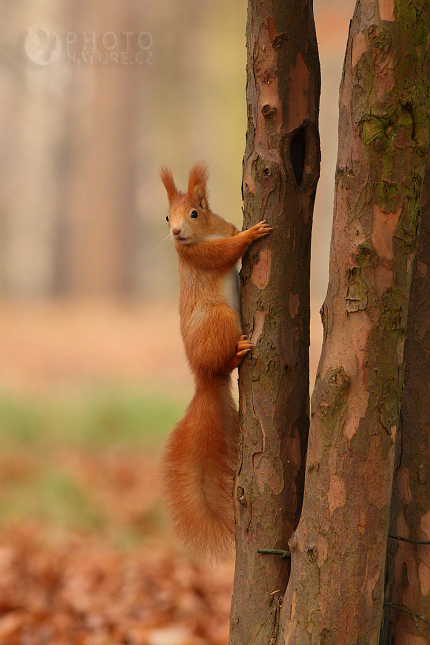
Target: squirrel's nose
column 176, row 231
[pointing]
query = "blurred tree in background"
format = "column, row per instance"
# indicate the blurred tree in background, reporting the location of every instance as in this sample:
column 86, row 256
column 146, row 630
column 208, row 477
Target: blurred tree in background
column 83, row 133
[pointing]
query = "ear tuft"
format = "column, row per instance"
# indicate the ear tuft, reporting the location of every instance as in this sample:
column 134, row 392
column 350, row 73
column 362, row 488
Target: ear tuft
column 169, row 184
column 197, row 183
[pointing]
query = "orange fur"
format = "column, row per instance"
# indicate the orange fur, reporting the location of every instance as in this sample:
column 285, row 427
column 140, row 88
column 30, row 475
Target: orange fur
column 199, row 464
column 169, row 184
column 201, row 452
column 197, row 182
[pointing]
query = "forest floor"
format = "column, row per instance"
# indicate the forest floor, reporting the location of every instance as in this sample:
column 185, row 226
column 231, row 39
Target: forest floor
column 88, row 392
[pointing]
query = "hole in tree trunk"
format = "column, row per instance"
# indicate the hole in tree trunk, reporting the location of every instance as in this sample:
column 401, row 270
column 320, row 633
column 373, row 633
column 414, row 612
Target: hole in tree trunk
column 302, row 155
column 298, row 154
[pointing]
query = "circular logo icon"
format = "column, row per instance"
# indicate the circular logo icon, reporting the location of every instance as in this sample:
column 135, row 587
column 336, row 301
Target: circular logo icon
column 42, row 45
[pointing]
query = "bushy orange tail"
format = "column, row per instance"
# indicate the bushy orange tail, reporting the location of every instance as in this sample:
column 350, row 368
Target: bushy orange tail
column 198, row 469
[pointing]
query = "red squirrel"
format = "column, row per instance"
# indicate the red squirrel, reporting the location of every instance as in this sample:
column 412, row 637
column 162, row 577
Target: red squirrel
column 201, row 452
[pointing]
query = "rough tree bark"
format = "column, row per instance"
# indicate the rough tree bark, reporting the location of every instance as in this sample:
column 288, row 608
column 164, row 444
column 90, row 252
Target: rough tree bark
column 408, row 577
column 281, row 169
column 336, row 588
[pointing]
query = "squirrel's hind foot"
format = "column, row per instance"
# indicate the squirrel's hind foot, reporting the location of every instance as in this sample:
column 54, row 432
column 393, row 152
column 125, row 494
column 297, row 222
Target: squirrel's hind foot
column 243, row 346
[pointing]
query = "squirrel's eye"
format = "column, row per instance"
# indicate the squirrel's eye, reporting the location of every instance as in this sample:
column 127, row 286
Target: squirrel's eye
column 194, row 214
column 167, row 218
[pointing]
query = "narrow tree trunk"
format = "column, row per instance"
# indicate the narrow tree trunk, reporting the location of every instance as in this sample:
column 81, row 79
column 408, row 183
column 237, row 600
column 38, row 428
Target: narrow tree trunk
column 336, row 589
column 96, row 233
column 281, row 169
column 409, row 564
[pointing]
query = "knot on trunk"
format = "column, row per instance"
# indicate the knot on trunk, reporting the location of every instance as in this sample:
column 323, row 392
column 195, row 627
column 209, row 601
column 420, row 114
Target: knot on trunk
column 333, row 391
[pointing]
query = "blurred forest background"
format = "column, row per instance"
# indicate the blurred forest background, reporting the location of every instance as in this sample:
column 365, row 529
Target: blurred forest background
column 94, row 97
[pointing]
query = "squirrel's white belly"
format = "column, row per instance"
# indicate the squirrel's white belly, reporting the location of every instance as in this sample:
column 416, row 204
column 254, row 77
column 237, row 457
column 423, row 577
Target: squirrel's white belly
column 230, row 288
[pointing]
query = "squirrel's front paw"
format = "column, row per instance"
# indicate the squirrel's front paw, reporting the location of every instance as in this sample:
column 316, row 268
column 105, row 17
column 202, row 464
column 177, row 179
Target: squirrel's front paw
column 259, row 230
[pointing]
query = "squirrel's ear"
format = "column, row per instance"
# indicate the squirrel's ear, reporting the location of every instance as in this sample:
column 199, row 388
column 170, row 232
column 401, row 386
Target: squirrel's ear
column 197, row 183
column 169, row 184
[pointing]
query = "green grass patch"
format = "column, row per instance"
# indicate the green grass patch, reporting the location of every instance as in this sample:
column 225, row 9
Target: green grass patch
column 89, row 420
column 40, row 483
column 52, row 498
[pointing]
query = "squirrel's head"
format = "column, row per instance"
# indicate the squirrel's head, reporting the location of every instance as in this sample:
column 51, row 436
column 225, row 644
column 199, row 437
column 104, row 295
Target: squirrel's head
column 189, row 212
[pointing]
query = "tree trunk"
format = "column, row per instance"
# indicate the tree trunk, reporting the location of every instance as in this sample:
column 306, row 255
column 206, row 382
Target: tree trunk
column 281, row 169
column 336, row 588
column 408, row 563
column 32, row 127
